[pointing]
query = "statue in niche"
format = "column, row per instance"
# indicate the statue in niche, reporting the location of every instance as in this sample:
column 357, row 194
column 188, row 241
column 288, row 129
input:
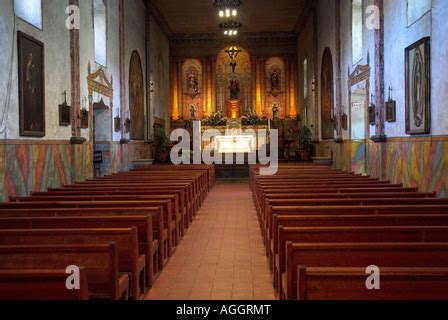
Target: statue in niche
column 193, row 84
column 275, row 111
column 274, row 80
column 192, row 112
column 235, row 91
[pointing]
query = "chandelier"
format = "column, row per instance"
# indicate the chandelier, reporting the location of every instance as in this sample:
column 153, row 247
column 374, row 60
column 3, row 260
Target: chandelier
column 228, row 12
column 230, row 28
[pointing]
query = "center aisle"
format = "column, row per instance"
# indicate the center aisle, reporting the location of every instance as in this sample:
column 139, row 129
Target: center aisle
column 222, row 256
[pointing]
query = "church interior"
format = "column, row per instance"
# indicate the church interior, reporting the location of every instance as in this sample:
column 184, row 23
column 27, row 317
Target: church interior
column 105, row 194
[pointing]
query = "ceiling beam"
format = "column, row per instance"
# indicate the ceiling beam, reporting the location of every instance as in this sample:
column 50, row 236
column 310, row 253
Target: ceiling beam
column 303, row 18
column 159, row 18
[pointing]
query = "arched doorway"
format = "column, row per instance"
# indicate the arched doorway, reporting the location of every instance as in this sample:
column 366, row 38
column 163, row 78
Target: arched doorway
column 136, row 98
column 327, row 96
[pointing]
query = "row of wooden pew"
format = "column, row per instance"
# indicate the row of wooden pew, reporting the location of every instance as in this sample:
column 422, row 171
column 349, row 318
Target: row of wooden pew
column 323, row 228
column 120, row 230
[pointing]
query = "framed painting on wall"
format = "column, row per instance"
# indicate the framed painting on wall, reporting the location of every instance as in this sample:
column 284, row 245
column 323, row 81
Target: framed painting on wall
column 31, row 86
column 418, row 88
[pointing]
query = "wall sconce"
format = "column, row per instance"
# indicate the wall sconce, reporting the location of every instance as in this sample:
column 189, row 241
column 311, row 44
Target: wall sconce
column 371, row 111
column 128, row 125
column 84, row 114
column 391, row 108
column 64, row 112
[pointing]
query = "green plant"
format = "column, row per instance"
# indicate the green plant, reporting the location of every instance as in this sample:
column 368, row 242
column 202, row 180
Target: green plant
column 161, row 141
column 216, row 119
column 305, row 138
column 252, row 118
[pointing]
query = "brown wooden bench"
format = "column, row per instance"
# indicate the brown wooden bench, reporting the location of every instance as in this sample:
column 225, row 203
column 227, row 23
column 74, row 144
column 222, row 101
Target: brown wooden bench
column 126, row 239
column 349, row 284
column 350, row 210
column 169, row 225
column 362, row 255
column 147, row 245
column 351, row 234
column 174, row 220
column 160, row 234
column 100, row 263
column 185, row 205
column 41, row 285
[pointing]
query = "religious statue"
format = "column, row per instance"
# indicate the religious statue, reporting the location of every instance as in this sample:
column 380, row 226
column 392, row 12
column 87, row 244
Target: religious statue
column 193, row 85
column 275, row 111
column 274, row 79
column 234, row 90
column 192, row 112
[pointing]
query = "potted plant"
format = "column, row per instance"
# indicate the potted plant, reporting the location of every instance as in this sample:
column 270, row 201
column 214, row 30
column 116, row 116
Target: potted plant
column 305, row 143
column 161, row 144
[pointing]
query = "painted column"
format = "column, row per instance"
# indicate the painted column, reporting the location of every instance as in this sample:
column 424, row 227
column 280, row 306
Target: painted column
column 209, row 88
column 379, row 72
column 339, row 110
column 288, row 86
column 204, row 87
column 213, row 91
column 175, row 90
column 75, row 77
column 122, row 65
column 180, row 88
column 293, row 88
column 258, row 99
column 254, row 83
column 263, row 85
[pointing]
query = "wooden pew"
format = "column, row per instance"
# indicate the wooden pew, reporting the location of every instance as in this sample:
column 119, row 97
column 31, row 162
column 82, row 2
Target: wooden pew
column 350, row 284
column 185, row 205
column 349, row 234
column 174, row 220
column 267, row 213
column 100, row 263
column 362, row 255
column 147, row 245
column 351, row 210
column 126, row 239
column 169, row 225
column 154, row 215
column 41, row 285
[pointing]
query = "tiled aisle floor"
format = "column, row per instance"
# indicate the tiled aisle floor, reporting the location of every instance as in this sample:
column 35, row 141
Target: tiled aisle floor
column 222, row 255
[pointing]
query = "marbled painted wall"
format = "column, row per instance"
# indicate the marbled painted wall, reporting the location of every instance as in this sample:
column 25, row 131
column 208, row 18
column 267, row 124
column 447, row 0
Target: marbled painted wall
column 34, row 164
column 36, row 167
column 414, row 162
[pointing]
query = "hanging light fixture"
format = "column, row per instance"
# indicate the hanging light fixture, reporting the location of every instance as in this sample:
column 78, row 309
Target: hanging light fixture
column 228, row 12
column 230, row 27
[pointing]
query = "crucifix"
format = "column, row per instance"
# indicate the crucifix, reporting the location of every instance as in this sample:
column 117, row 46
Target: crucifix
column 65, row 97
column 233, row 54
column 390, row 93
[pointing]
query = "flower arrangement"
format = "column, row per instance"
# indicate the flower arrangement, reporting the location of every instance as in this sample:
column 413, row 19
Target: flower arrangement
column 252, row 118
column 216, row 119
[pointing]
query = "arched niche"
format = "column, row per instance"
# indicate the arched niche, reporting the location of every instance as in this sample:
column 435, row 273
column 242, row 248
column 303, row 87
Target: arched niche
column 136, row 98
column 327, row 96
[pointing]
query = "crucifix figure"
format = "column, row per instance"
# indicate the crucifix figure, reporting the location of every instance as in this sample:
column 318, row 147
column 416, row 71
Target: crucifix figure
column 233, row 54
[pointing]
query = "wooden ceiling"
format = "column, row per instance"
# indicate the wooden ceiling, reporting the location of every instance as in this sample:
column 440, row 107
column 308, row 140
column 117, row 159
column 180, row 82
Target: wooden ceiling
column 199, row 16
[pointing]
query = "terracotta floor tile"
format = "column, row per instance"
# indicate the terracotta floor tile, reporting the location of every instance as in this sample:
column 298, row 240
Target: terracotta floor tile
column 221, row 256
